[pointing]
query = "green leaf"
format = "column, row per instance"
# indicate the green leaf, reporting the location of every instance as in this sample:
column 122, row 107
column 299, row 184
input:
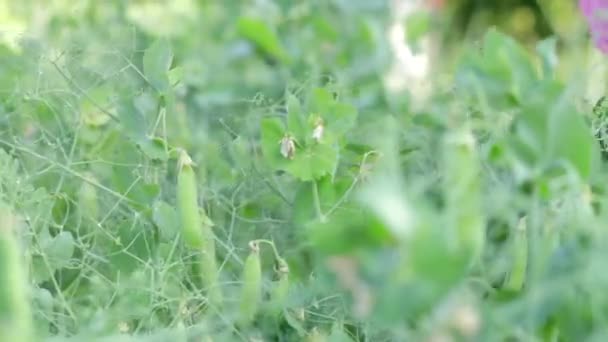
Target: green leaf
column 322, row 101
column 547, row 49
column 342, row 118
column 295, row 118
column 498, row 77
column 165, row 217
column 132, row 121
column 176, row 75
column 157, row 61
column 503, row 51
column 349, row 229
column 273, row 131
column 263, row 37
column 313, row 162
column 59, row 250
column 416, row 26
column 154, row 148
column 570, row 138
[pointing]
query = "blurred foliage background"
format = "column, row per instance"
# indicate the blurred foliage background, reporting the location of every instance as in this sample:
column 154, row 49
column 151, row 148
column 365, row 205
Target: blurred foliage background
column 97, row 97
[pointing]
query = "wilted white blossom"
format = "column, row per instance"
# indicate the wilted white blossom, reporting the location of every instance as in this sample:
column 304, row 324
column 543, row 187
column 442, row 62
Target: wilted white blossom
column 317, row 133
column 288, row 147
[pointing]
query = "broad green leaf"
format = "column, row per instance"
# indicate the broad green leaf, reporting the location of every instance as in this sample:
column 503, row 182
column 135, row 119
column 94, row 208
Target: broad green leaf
column 176, row 75
column 39, row 270
column 530, row 141
column 154, row 148
column 350, row 229
column 430, row 258
column 416, row 26
column 59, row 250
column 322, row 101
column 503, row 52
column 165, row 217
column 157, row 61
column 273, row 131
column 313, row 162
column 499, row 76
column 263, row 37
column 570, row 138
column 295, row 118
column 547, row 50
column 132, row 121
column 342, row 118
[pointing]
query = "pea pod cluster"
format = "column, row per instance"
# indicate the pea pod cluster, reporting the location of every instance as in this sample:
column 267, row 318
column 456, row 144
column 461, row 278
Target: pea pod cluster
column 195, row 228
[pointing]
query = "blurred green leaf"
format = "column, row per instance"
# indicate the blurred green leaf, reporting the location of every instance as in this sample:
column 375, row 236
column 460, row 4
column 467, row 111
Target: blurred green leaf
column 165, row 217
column 348, row 230
column 547, row 50
column 570, row 138
column 273, row 130
column 59, row 250
column 313, row 162
column 154, row 148
column 157, row 61
column 263, row 37
column 416, row 26
column 295, row 118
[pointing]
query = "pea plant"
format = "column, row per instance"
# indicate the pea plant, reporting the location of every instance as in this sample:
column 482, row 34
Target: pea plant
column 260, row 182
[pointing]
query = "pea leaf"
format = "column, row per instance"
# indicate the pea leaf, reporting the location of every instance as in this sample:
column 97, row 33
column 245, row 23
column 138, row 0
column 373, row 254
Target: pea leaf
column 322, row 101
column 342, row 118
column 131, row 120
column 165, row 217
column 570, row 139
column 153, row 148
column 314, row 161
column 416, row 26
column 157, row 61
column 273, row 131
column 547, row 49
column 350, row 229
column 59, row 250
column 295, row 120
column 263, row 37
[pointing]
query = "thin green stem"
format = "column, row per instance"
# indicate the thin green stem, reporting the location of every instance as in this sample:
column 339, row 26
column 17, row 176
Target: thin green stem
column 317, row 201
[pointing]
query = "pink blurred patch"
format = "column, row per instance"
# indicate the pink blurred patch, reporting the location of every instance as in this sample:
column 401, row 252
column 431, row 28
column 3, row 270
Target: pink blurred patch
column 596, row 14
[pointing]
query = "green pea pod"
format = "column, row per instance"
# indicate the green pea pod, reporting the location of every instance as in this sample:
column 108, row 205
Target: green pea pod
column 15, row 311
column 463, row 193
column 196, row 228
column 251, row 294
column 280, row 289
column 187, row 202
column 519, row 249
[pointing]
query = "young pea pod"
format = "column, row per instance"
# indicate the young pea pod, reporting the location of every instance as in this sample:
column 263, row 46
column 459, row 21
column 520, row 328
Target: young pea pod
column 463, row 193
column 15, row 311
column 519, row 248
column 251, row 294
column 196, row 228
column 280, row 289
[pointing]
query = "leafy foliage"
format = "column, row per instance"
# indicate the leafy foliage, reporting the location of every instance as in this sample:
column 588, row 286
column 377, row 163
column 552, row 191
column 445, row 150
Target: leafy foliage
column 477, row 215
